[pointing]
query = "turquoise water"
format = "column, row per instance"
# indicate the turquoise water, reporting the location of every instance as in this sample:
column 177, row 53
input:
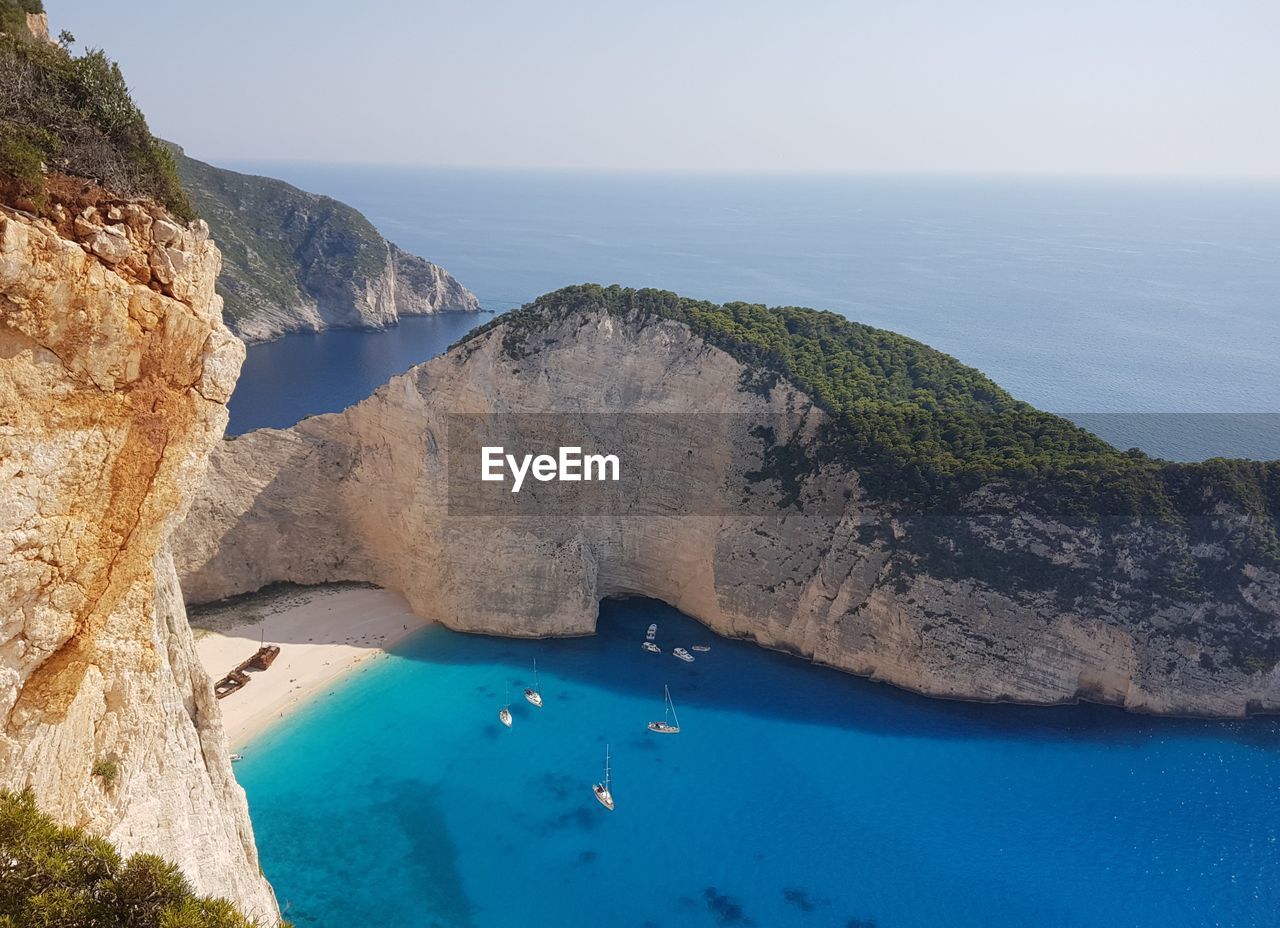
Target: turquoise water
column 1087, row 296
column 795, row 796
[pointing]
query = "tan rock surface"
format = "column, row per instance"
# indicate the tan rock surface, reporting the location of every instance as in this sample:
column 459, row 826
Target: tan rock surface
column 364, row 495
column 112, row 392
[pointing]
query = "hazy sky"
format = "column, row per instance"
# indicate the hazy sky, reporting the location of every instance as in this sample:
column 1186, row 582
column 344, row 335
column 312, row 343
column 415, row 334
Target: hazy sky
column 1068, row 86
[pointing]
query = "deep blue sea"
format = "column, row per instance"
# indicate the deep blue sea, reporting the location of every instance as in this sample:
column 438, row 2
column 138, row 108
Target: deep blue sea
column 1158, row 301
column 794, row 796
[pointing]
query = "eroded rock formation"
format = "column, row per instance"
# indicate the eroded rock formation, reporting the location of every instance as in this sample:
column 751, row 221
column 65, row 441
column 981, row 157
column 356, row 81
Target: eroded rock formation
column 822, row 570
column 115, row 370
column 300, row 262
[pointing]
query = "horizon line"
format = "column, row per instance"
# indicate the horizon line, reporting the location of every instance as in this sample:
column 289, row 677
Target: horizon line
column 800, row 173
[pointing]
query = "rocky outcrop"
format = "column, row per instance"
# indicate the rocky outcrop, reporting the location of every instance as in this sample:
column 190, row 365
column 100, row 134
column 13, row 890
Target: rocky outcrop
column 115, row 370
column 716, row 524
column 300, row 262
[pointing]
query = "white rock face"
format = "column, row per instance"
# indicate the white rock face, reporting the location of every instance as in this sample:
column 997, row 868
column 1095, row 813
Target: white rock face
column 364, row 495
column 113, row 389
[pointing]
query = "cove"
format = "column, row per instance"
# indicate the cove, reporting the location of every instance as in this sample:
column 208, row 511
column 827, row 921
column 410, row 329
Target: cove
column 794, row 796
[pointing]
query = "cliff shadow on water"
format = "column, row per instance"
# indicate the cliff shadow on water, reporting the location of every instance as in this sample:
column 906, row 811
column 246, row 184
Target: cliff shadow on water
column 740, row 676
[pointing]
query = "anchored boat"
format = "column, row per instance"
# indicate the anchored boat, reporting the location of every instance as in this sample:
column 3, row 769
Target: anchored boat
column 652, row 632
column 665, row 727
column 683, row 655
column 602, row 791
column 505, row 715
column 702, row 648
column 651, row 647
column 532, row 693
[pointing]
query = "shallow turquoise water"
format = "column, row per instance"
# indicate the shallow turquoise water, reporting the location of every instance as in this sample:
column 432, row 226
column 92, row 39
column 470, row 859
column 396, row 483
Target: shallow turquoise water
column 795, row 796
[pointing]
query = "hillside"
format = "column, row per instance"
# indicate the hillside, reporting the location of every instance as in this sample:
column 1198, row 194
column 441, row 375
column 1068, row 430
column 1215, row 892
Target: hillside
column 815, row 485
column 297, row 261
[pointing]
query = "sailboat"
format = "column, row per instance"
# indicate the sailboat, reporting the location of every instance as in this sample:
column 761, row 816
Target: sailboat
column 505, row 715
column 531, row 693
column 602, row 790
column 668, row 712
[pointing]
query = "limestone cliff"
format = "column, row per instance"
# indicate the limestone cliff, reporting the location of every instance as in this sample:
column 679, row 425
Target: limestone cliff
column 300, row 262
column 115, row 369
column 999, row 597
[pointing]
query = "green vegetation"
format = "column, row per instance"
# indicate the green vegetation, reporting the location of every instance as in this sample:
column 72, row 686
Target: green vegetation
column 13, row 15
column 52, row 875
column 281, row 247
column 106, row 769
column 921, row 428
column 73, row 114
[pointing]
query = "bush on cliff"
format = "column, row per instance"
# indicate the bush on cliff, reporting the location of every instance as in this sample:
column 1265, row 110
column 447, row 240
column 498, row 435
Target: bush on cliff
column 13, row 14
column 73, row 114
column 54, row 875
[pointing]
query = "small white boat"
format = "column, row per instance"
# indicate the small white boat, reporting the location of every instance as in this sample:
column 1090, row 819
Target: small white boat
column 236, row 757
column 602, row 790
column 666, row 727
column 683, row 655
column 505, row 715
column 651, row 647
column 702, row 648
column 652, row 632
column 532, row 693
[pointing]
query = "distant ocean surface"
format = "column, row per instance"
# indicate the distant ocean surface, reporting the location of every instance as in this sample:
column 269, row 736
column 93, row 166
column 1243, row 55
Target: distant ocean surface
column 1138, row 308
column 794, row 797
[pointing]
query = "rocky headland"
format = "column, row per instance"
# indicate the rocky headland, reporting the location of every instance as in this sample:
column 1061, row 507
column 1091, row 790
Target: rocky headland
column 300, row 262
column 816, row 486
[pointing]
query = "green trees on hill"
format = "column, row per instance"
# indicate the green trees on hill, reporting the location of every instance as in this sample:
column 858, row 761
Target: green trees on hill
column 920, row 427
column 51, row 875
column 73, row 114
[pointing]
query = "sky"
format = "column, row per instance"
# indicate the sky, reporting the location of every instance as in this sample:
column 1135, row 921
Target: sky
column 1123, row 87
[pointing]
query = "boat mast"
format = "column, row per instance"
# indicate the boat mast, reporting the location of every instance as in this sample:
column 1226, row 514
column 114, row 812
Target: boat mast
column 606, row 768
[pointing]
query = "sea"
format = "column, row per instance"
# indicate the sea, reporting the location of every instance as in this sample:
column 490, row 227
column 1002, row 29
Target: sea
column 794, row 795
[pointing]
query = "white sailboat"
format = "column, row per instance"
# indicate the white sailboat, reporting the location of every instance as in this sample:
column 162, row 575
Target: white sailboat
column 532, row 693
column 668, row 712
column 505, row 715
column 602, row 790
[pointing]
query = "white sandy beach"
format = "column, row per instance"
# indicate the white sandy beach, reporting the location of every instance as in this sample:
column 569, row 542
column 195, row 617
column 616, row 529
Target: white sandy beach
column 323, row 633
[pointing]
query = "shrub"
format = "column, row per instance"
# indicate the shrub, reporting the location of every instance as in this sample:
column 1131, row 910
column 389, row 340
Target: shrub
column 74, row 113
column 55, row 875
column 107, row 769
column 13, row 15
